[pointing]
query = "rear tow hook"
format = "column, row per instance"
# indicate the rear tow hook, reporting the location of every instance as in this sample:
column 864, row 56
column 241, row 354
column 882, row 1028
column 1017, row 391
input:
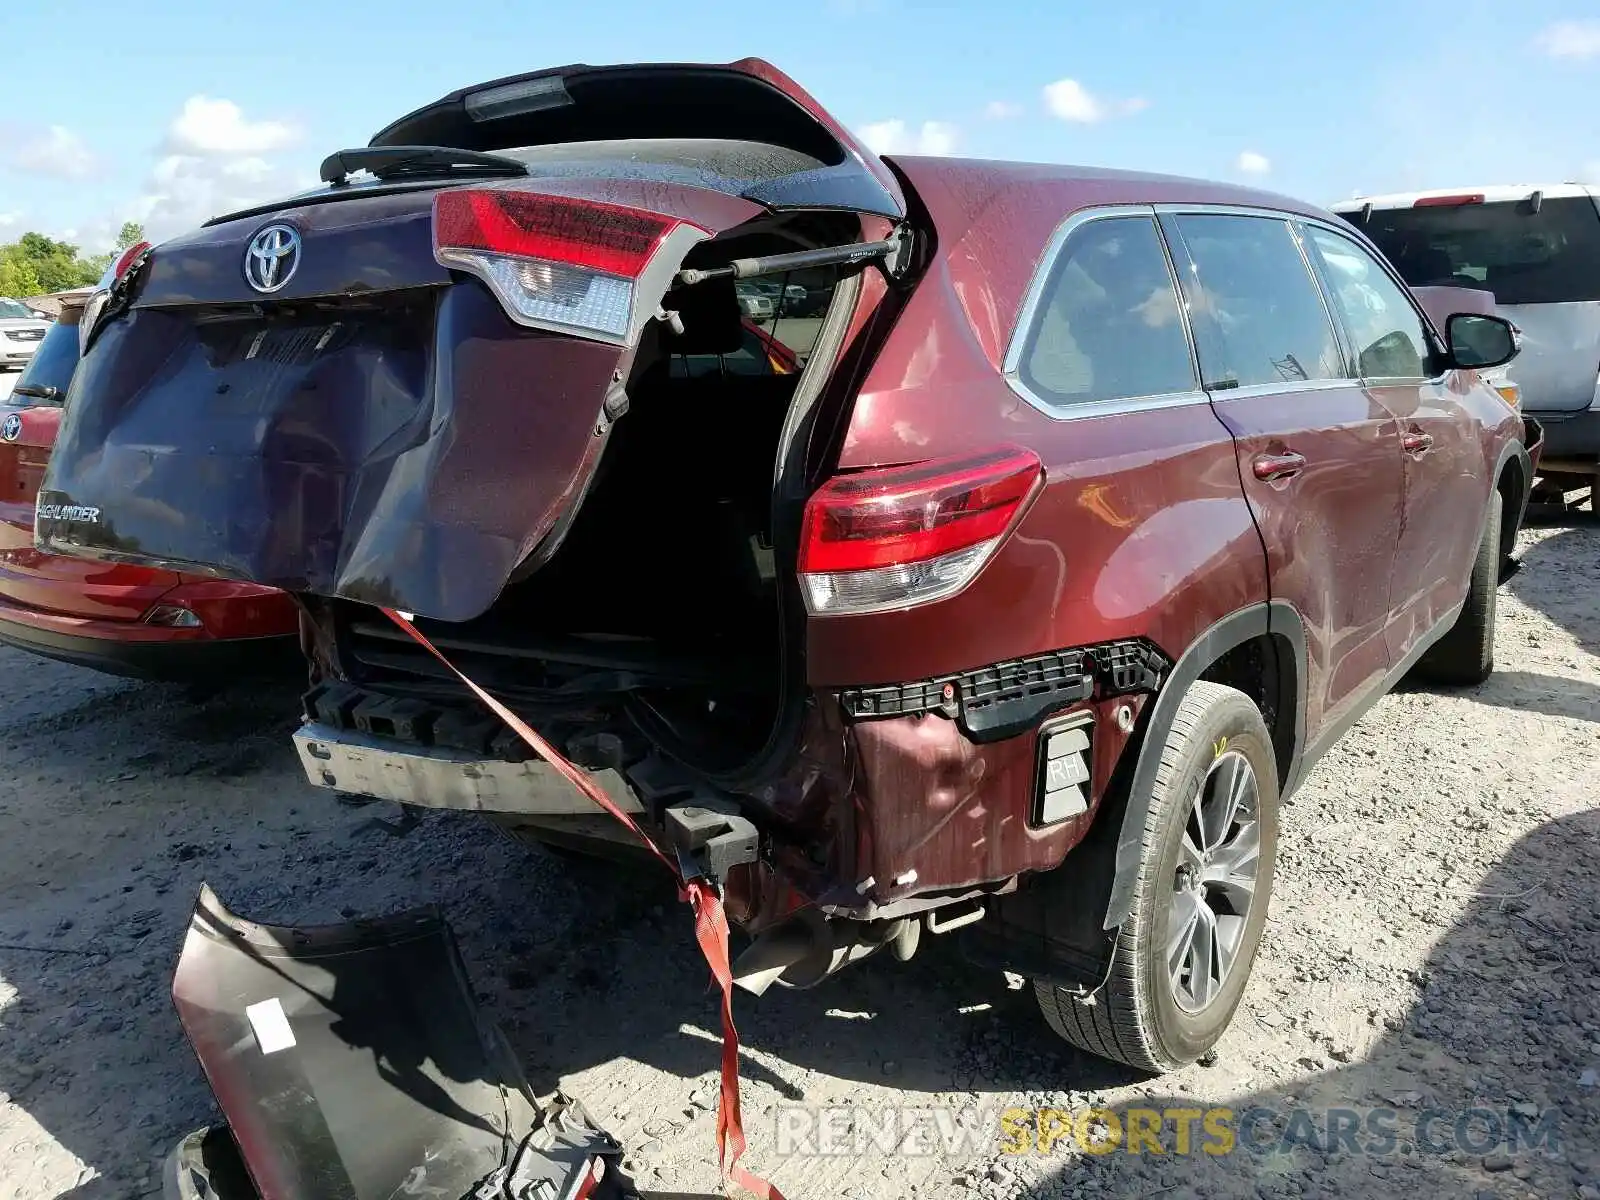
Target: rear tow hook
column 710, row 839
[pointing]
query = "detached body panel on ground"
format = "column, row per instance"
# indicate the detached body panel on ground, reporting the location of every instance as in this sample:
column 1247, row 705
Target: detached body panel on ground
column 923, row 610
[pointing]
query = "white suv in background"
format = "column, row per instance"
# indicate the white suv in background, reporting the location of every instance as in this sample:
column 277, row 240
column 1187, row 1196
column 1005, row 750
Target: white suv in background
column 1537, row 248
column 21, row 330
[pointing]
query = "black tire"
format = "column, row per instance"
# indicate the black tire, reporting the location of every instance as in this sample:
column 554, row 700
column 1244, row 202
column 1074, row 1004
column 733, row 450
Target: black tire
column 1136, row 1018
column 1464, row 656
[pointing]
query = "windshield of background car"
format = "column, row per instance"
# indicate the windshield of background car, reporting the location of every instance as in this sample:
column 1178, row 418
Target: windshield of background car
column 11, row 308
column 1524, row 257
column 52, row 365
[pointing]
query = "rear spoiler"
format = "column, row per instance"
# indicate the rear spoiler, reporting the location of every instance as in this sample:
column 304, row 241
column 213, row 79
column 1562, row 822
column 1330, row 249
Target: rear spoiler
column 749, row 100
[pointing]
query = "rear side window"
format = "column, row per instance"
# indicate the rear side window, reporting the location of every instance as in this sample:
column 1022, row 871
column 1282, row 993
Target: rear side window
column 1524, row 257
column 1260, row 318
column 52, row 364
column 1109, row 327
column 1390, row 339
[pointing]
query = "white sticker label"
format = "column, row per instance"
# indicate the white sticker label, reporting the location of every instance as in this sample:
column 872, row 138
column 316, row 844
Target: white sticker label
column 271, row 1024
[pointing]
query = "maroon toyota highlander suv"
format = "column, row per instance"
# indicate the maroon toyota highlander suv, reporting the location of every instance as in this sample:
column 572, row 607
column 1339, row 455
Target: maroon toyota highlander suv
column 1099, row 506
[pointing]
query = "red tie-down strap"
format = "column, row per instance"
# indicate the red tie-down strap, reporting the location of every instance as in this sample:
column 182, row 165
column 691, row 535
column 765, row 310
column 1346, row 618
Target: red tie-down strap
column 710, row 922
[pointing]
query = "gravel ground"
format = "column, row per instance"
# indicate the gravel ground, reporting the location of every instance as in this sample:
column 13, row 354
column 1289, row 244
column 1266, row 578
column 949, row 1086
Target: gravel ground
column 1434, row 944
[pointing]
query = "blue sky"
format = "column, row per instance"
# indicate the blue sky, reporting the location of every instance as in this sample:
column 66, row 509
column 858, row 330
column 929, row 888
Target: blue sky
column 170, row 112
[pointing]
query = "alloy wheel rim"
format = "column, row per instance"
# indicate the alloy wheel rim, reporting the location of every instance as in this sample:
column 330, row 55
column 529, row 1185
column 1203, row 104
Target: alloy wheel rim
column 1214, row 883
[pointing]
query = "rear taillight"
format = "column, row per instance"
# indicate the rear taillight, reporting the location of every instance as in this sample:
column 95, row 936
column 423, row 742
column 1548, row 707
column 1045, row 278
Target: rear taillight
column 126, row 260
column 572, row 266
column 900, row 536
column 96, row 303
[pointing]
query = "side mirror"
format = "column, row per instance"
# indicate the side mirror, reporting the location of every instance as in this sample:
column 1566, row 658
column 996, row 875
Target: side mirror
column 1478, row 342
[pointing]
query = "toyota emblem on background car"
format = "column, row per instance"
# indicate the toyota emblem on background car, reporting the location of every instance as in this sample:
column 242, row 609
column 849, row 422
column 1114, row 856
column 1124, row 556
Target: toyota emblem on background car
column 11, row 430
column 272, row 258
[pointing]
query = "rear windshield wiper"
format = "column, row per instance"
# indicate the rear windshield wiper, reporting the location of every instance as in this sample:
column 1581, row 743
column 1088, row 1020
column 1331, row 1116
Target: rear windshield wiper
column 390, row 162
column 39, row 391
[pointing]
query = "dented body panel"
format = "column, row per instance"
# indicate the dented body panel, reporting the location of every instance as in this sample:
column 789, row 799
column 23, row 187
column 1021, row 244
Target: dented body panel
column 409, row 447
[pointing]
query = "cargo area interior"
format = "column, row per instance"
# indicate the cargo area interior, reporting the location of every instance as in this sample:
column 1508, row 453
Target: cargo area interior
column 661, row 604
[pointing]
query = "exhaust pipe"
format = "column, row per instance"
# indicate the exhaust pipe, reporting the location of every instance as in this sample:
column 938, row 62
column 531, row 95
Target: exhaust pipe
column 806, row 949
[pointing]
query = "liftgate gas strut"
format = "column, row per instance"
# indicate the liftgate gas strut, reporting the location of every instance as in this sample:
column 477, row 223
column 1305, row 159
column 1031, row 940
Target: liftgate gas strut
column 888, row 249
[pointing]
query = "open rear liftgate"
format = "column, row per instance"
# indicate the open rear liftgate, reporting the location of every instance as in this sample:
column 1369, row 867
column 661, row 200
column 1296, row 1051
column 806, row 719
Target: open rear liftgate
column 351, row 1061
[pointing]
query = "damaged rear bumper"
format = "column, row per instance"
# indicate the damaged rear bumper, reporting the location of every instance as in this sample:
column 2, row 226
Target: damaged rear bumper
column 381, row 767
column 351, row 1062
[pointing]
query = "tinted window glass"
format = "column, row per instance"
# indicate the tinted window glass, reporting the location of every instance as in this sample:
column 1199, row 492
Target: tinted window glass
column 51, row 366
column 1524, row 257
column 1261, row 319
column 1390, row 339
column 14, row 308
column 1109, row 326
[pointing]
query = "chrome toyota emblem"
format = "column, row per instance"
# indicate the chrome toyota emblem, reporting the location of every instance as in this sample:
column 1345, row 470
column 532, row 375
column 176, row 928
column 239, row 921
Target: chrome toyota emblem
column 12, row 429
column 272, row 258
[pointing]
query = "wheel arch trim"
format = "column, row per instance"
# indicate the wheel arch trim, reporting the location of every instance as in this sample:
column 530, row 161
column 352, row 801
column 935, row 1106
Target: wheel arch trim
column 1514, row 451
column 1275, row 618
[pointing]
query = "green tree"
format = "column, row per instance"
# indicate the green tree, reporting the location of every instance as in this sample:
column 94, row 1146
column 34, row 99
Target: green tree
column 55, row 263
column 17, row 276
column 96, row 265
column 35, row 264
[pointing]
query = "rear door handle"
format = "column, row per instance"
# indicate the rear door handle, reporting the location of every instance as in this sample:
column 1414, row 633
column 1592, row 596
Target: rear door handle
column 1268, row 467
column 1416, row 442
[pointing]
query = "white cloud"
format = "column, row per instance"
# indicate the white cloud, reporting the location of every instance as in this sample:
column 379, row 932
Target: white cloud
column 8, row 219
column 1570, row 39
column 895, row 137
column 1253, row 163
column 186, row 190
column 1071, row 101
column 207, row 126
column 60, row 153
column 1001, row 110
column 213, row 160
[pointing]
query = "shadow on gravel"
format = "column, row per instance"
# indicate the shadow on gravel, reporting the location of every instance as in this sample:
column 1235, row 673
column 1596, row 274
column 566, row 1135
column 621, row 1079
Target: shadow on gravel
column 122, row 794
column 581, row 967
column 1529, row 691
column 626, row 977
column 1502, row 1044
column 584, row 967
column 1557, row 576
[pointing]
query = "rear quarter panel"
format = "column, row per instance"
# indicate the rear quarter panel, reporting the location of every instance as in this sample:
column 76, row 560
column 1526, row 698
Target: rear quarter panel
column 1141, row 530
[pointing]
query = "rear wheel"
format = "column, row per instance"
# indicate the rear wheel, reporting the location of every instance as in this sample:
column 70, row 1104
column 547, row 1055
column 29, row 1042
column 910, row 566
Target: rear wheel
column 1184, row 954
column 1465, row 655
